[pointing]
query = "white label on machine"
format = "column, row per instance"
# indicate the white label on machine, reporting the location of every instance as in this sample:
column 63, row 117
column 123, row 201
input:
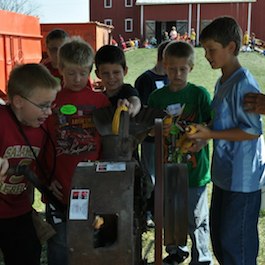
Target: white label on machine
column 79, row 201
column 110, row 166
column 85, row 164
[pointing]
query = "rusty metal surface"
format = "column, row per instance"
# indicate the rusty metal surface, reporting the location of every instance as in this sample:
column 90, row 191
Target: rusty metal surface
column 111, row 193
column 139, row 125
column 176, row 204
column 159, row 191
column 116, row 148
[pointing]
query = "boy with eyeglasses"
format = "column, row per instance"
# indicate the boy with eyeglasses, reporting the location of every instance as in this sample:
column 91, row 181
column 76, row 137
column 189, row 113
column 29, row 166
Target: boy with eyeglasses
column 31, row 92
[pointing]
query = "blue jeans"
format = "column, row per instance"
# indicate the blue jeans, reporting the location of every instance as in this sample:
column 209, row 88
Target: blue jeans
column 234, row 226
column 57, row 248
column 199, row 231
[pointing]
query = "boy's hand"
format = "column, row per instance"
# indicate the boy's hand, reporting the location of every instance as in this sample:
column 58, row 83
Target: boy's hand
column 254, row 102
column 125, row 102
column 167, row 123
column 202, row 133
column 4, row 165
column 197, row 145
column 56, row 189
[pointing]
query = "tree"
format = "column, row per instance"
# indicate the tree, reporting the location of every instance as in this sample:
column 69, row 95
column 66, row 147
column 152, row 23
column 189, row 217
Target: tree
column 19, row 6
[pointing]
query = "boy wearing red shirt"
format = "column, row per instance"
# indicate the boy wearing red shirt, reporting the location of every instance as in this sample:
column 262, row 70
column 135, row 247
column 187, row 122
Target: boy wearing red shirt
column 73, row 132
column 31, row 91
column 54, row 40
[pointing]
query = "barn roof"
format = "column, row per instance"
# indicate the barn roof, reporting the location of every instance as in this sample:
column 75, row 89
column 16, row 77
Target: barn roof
column 166, row 2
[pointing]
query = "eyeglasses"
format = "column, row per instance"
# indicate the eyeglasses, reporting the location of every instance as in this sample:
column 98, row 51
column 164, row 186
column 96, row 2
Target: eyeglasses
column 43, row 108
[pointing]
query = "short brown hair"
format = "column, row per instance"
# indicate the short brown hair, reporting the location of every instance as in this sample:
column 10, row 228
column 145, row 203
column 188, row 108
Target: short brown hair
column 180, row 49
column 223, row 30
column 110, row 54
column 56, row 34
column 25, row 78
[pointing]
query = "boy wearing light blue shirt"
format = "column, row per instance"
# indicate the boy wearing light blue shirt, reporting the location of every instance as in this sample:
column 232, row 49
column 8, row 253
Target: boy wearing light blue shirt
column 238, row 154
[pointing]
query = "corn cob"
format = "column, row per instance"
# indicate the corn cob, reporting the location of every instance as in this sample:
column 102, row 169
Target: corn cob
column 116, row 119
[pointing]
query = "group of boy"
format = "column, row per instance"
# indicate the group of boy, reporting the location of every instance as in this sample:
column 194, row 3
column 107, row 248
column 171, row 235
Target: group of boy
column 238, row 160
column 58, row 115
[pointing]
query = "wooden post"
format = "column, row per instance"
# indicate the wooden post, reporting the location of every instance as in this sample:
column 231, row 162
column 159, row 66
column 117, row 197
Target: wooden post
column 159, row 191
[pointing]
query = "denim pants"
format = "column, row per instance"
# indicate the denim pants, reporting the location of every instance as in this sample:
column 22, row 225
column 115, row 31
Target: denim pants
column 199, row 231
column 57, row 248
column 234, row 226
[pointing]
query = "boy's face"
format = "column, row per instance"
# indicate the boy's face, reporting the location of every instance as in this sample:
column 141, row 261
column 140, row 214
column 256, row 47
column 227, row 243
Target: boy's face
column 111, row 75
column 33, row 110
column 177, row 70
column 217, row 55
column 75, row 77
column 52, row 50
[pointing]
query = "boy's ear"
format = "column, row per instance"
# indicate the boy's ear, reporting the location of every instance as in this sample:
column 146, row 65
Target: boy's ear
column 125, row 70
column 97, row 74
column 164, row 63
column 231, row 46
column 17, row 101
column 60, row 69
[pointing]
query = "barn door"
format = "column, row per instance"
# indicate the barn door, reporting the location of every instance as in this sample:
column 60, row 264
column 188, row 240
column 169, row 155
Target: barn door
column 150, row 29
column 182, row 26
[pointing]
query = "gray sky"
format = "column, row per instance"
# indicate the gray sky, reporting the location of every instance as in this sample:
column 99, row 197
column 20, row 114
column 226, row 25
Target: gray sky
column 61, row 11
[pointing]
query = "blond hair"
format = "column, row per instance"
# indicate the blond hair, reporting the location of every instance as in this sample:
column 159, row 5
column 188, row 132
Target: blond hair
column 76, row 51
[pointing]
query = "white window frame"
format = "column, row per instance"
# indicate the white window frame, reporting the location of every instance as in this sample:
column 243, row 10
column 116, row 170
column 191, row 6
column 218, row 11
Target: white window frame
column 108, row 21
column 130, row 22
column 130, row 4
column 107, row 3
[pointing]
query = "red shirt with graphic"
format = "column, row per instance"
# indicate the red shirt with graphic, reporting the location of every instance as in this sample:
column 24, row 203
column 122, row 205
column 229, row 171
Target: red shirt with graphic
column 15, row 191
column 74, row 133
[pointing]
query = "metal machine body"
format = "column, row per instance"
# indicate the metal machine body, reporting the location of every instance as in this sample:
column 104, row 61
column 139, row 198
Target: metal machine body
column 111, row 196
column 106, row 213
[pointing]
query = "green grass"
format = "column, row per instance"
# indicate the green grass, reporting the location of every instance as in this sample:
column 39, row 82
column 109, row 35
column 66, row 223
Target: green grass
column 141, row 59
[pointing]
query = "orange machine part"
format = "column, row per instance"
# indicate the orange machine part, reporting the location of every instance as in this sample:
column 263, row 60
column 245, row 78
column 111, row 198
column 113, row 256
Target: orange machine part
column 95, row 33
column 20, row 42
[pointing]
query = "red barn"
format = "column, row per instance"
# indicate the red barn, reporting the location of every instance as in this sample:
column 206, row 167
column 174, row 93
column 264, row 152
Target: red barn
column 147, row 18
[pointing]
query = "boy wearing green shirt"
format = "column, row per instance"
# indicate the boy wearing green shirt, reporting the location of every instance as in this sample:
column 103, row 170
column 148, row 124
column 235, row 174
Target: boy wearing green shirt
column 191, row 103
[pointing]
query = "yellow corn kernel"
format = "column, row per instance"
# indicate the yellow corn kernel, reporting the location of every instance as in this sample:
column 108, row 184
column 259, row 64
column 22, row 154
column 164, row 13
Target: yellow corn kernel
column 168, row 120
column 191, row 129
